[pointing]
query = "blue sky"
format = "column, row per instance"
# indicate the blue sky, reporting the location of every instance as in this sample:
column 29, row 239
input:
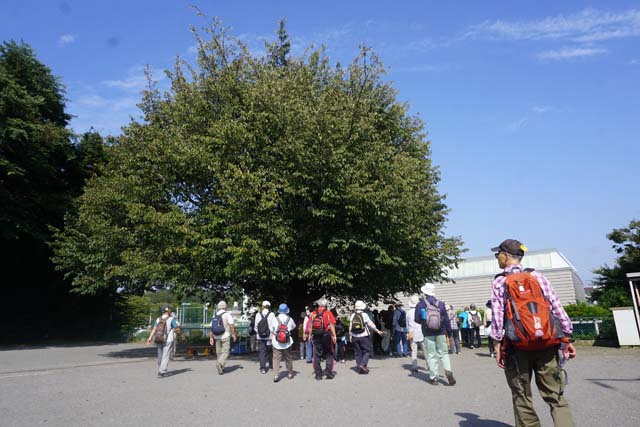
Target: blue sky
column 533, row 108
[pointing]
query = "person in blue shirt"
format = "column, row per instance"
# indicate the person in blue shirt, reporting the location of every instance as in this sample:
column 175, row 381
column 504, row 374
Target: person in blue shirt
column 464, row 327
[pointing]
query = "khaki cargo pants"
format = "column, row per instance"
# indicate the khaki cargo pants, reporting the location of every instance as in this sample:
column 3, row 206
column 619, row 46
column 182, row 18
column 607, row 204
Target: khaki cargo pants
column 549, row 378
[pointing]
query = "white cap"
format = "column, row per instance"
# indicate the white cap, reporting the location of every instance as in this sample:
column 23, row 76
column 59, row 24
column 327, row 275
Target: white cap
column 429, row 289
column 322, row 302
column 266, row 303
column 222, row 305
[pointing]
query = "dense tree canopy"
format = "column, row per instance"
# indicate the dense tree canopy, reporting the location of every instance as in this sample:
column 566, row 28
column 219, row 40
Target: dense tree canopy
column 611, row 286
column 282, row 175
column 42, row 169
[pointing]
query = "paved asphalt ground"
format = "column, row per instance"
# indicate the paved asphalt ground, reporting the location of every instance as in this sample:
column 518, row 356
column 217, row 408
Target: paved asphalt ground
column 116, row 385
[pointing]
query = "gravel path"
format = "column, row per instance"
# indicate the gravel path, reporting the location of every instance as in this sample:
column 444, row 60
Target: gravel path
column 116, row 385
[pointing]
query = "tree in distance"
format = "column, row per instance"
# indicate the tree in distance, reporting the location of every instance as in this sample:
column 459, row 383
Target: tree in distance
column 284, row 176
column 611, row 286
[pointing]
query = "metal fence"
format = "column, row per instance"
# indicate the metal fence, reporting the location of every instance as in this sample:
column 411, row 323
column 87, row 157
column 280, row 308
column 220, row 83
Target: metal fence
column 588, row 327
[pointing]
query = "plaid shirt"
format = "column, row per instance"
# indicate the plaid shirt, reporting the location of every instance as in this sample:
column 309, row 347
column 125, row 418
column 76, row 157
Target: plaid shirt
column 497, row 303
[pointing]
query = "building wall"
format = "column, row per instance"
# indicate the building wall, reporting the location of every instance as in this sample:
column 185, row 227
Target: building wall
column 477, row 289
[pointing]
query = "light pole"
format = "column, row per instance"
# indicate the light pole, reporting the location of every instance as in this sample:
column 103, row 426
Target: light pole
column 204, row 317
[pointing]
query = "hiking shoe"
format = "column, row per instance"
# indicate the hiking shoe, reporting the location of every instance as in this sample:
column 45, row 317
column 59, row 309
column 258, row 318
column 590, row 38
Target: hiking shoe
column 276, row 379
column 450, row 378
column 329, row 375
column 433, row 381
column 318, row 377
column 365, row 370
column 220, row 370
column 263, row 371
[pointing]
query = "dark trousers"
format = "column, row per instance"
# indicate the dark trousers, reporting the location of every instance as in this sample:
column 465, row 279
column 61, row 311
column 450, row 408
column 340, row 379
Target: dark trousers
column 265, row 354
column 361, row 350
column 465, row 336
column 322, row 348
column 454, row 341
column 474, row 336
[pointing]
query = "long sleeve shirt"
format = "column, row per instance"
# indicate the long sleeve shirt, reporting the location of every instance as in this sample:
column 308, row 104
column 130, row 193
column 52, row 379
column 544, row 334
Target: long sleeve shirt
column 497, row 302
column 396, row 318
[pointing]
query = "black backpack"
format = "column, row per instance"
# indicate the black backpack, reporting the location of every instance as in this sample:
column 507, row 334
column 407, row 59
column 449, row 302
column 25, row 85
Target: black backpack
column 217, row 325
column 340, row 329
column 263, row 326
column 402, row 320
column 357, row 324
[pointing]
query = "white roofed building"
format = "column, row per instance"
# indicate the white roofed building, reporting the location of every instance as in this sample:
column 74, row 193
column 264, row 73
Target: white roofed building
column 474, row 276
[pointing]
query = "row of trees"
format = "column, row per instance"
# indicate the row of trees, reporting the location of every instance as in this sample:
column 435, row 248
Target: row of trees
column 282, row 176
column 43, row 168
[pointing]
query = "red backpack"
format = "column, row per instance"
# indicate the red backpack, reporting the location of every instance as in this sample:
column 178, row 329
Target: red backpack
column 282, row 331
column 529, row 322
column 318, row 325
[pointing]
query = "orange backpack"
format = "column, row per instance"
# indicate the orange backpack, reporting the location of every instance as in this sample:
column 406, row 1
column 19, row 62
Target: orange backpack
column 529, row 322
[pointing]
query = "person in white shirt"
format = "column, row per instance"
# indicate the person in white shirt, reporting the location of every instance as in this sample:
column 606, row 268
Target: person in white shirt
column 263, row 336
column 359, row 326
column 222, row 340
column 164, row 343
column 282, row 350
column 487, row 327
column 415, row 334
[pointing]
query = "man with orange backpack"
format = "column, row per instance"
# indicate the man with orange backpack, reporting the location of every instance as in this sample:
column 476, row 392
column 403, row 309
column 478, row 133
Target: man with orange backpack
column 531, row 332
column 324, row 339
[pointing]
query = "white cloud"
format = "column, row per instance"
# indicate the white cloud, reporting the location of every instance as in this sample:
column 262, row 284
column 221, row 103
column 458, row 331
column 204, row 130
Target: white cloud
column 541, row 109
column 571, row 52
column 66, row 39
column 590, row 25
column 136, row 81
column 518, row 124
column 634, row 61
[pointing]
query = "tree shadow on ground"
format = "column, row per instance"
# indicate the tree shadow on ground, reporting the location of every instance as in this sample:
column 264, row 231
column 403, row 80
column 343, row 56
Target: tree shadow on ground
column 55, row 345
column 473, row 420
column 133, row 353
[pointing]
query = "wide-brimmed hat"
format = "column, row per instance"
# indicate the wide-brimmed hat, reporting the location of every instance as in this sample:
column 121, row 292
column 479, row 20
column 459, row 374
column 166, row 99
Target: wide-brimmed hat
column 360, row 305
column 283, row 308
column 429, row 289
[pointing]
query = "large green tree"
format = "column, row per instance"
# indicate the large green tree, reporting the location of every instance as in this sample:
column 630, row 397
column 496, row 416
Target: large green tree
column 611, row 285
column 285, row 176
column 41, row 171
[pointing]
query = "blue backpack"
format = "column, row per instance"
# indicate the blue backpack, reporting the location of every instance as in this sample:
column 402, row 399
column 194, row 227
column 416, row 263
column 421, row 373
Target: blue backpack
column 217, row 325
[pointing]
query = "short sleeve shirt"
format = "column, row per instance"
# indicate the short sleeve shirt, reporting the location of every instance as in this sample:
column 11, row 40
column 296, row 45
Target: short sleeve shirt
column 227, row 319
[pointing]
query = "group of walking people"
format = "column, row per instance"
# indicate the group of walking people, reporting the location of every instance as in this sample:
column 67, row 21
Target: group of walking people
column 530, row 335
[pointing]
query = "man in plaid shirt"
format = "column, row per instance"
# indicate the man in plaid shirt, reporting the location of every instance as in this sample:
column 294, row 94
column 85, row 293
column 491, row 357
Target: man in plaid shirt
column 520, row 364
